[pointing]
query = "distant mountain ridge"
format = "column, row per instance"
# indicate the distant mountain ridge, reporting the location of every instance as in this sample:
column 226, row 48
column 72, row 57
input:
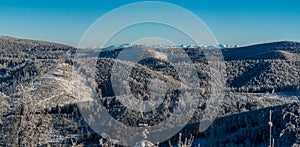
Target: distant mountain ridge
column 29, row 41
column 229, row 52
column 249, row 63
column 273, row 50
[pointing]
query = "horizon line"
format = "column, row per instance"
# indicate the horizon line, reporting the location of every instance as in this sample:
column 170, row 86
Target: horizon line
column 66, row 44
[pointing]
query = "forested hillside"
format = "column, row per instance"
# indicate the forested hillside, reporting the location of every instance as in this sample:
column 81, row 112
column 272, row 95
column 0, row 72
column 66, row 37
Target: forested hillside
column 39, row 104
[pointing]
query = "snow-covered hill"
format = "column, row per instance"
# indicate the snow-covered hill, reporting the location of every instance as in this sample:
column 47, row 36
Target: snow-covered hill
column 39, row 102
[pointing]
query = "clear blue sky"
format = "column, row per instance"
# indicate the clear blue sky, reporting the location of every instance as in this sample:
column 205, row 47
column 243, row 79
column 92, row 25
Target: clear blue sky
column 240, row 22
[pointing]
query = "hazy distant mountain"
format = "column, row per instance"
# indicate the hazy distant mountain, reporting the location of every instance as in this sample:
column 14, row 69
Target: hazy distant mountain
column 38, row 104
